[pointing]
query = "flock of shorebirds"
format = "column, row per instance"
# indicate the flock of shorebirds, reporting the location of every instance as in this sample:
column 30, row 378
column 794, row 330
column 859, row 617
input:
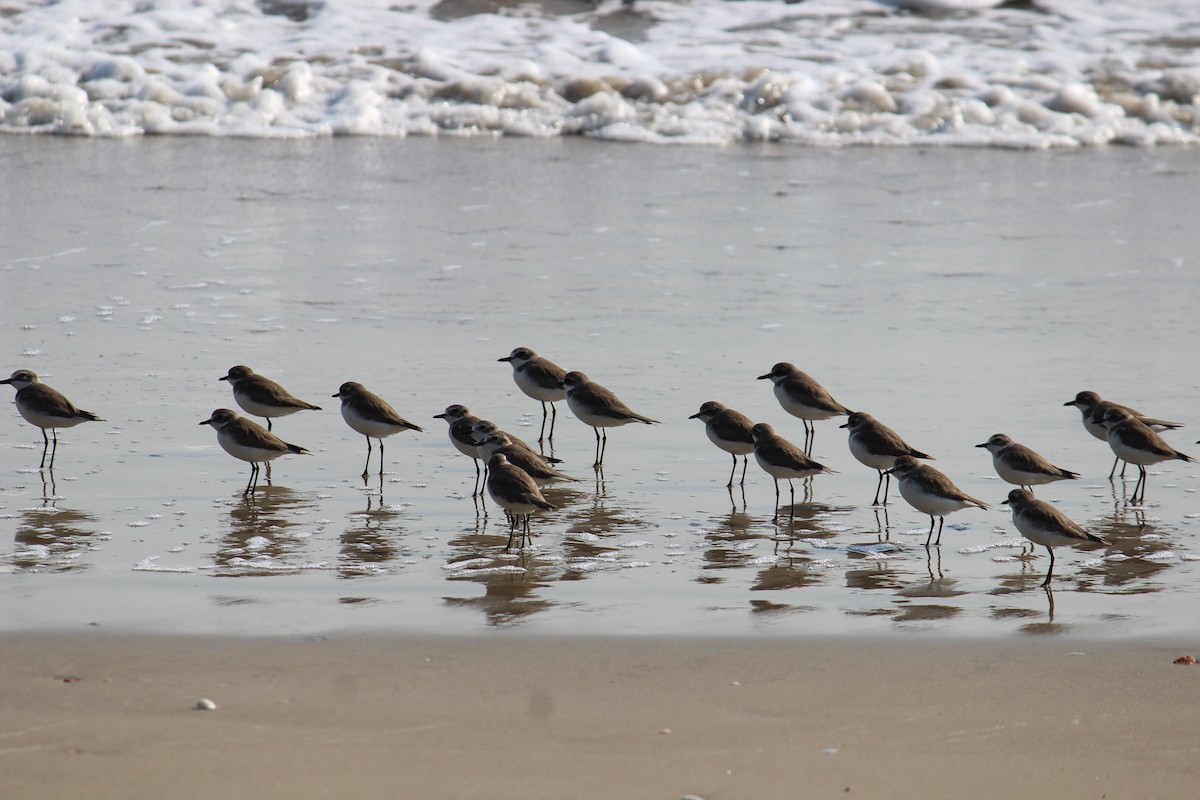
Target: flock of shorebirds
column 514, row 472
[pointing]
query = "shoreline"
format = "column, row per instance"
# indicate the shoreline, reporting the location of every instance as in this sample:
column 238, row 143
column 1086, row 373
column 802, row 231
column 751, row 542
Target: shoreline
column 497, row 716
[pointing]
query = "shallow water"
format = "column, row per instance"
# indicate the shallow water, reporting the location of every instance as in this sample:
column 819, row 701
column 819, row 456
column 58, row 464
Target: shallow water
column 953, row 294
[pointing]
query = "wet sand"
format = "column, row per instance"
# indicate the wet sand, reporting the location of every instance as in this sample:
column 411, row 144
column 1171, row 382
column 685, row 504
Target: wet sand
column 104, row 715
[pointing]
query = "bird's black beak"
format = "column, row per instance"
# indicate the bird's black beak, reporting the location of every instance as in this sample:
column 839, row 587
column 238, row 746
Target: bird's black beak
column 506, row 358
column 695, row 416
column 982, row 445
column 1069, row 403
column 339, row 394
column 764, row 377
column 223, row 378
column 206, row 422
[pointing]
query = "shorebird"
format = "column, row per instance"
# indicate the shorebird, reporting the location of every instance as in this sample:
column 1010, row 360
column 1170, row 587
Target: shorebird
column 781, row 459
column 596, row 406
column 931, row 492
column 461, row 421
column 803, row 397
column 533, row 463
column 1017, row 464
column 877, row 446
column 484, row 428
column 1042, row 523
column 539, row 378
column 516, row 492
column 730, row 431
column 263, row 397
column 249, row 441
column 46, row 408
column 1137, row 443
column 1092, row 408
column 369, row 414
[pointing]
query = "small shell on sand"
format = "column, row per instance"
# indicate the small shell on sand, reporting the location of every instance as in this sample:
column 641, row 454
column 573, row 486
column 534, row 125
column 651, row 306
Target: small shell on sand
column 206, row 705
column 1189, row 660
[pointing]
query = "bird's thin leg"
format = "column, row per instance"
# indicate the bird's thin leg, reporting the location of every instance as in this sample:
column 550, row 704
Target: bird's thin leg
column 251, row 481
column 1049, row 572
column 941, row 523
column 367, row 466
column 268, row 423
column 1139, row 499
column 929, row 538
column 887, row 486
column 745, row 463
column 603, row 445
column 1113, row 471
column 553, row 419
column 1123, row 467
column 792, row 486
column 45, row 448
column 53, row 446
column 776, row 500
column 878, row 486
column 542, row 432
column 380, row 458
column 596, row 463
column 732, row 472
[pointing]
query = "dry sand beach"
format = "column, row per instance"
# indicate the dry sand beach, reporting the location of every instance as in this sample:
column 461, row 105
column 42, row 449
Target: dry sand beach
column 110, row 716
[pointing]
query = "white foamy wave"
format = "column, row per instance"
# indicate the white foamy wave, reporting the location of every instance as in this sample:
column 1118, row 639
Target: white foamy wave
column 1064, row 73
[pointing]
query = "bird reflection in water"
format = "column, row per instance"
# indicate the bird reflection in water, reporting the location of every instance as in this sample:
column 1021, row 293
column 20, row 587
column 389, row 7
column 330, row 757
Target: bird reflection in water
column 370, row 542
column 50, row 538
column 260, row 539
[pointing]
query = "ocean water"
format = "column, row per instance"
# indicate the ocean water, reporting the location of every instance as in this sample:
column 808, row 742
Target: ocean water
column 1031, row 75
column 952, row 293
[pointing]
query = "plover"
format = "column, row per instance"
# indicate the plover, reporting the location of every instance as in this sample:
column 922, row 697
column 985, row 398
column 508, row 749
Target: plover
column 369, row 414
column 596, row 406
column 781, row 459
column 539, row 378
column 931, row 492
column 1020, row 465
column 730, row 431
column 528, row 460
column 1042, row 523
column 1135, row 442
column 461, row 421
column 803, row 397
column 877, row 446
column 516, row 492
column 46, row 408
column 1092, row 409
column 249, row 441
column 263, row 397
column 484, row 428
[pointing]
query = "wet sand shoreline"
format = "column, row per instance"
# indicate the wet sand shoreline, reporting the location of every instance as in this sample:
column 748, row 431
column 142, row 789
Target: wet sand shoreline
column 111, row 715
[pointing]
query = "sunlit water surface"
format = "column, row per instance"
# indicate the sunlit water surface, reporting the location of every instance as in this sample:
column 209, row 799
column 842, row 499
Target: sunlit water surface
column 953, row 294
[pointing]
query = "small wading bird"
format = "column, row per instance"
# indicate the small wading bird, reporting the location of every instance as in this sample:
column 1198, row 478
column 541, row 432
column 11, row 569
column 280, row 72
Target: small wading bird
column 596, row 406
column 877, row 446
column 1042, row 523
column 730, row 431
column 249, row 441
column 541, row 379
column 1018, row 464
column 46, row 408
column 931, row 492
column 462, row 422
column 369, row 414
column 781, row 459
column 803, row 397
column 517, row 493
column 263, row 397
column 1092, row 408
column 533, row 464
column 1137, row 443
